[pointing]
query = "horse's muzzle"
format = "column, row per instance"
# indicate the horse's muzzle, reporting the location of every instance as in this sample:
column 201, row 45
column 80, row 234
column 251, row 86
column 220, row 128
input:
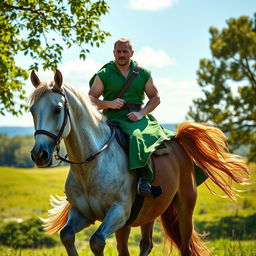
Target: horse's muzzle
column 42, row 158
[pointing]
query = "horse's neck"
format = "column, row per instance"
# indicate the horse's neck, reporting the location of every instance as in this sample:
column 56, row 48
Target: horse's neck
column 84, row 140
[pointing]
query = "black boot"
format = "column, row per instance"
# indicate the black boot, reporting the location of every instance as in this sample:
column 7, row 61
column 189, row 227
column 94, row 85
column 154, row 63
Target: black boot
column 144, row 187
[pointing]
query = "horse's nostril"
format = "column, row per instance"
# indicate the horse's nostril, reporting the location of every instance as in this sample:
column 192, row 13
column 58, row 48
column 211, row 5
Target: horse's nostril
column 41, row 156
column 44, row 155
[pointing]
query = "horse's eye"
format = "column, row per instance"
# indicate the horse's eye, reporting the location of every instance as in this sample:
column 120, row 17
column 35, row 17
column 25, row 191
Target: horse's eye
column 58, row 109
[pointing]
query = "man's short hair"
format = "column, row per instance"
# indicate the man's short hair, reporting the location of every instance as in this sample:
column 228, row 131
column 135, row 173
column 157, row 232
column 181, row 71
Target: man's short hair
column 124, row 41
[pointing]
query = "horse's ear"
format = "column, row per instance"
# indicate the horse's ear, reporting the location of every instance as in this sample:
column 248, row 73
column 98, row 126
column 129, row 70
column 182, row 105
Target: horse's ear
column 34, row 78
column 58, row 78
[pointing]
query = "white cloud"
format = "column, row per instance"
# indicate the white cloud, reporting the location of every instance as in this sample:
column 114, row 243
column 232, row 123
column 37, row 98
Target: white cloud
column 82, row 68
column 176, row 97
column 148, row 57
column 186, row 88
column 151, row 5
column 78, row 73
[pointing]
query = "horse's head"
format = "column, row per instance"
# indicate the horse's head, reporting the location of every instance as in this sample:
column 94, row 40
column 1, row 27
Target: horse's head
column 50, row 113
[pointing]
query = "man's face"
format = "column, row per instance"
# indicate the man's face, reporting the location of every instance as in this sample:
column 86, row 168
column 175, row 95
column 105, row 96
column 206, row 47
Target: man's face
column 122, row 53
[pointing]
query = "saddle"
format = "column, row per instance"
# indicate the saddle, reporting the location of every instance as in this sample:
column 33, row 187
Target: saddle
column 121, row 137
column 123, row 141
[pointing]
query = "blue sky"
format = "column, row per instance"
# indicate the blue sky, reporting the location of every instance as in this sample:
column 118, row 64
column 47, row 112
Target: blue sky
column 169, row 38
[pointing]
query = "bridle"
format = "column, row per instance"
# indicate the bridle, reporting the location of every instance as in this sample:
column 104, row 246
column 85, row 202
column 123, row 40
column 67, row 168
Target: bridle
column 57, row 138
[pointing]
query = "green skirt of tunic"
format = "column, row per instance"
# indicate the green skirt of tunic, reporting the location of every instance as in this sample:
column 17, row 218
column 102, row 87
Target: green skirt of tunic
column 145, row 136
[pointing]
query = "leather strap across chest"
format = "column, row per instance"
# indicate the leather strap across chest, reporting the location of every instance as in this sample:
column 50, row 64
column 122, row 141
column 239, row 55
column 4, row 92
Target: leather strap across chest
column 126, row 106
column 128, row 82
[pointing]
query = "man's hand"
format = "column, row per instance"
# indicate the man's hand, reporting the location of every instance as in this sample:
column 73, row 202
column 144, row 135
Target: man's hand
column 116, row 103
column 135, row 116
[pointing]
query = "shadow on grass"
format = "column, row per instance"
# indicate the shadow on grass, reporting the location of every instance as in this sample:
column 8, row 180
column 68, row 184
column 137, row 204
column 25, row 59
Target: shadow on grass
column 232, row 227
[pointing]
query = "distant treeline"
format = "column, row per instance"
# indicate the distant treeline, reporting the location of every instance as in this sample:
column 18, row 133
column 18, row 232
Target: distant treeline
column 15, row 151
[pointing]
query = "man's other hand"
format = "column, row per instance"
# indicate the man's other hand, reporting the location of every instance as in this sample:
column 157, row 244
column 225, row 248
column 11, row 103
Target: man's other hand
column 116, row 103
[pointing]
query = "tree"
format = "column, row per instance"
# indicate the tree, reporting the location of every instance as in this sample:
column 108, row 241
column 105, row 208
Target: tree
column 41, row 29
column 21, row 155
column 27, row 234
column 15, row 151
column 228, row 81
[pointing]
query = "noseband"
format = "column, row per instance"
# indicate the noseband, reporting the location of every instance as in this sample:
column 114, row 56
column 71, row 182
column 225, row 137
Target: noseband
column 57, row 138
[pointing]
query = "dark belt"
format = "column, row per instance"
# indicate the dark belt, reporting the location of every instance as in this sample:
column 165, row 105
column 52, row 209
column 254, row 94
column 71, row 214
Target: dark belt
column 128, row 107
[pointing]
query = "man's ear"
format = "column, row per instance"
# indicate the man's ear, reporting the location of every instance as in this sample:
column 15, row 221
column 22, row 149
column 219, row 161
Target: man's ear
column 58, row 79
column 34, row 79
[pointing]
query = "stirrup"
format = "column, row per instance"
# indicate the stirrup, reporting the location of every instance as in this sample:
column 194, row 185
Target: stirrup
column 144, row 188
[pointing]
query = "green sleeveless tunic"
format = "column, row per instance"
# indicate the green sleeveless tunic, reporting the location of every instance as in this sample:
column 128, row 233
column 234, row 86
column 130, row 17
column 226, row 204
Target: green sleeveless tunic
column 146, row 134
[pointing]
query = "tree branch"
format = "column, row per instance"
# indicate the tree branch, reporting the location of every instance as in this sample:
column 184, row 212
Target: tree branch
column 251, row 74
column 37, row 11
column 24, row 9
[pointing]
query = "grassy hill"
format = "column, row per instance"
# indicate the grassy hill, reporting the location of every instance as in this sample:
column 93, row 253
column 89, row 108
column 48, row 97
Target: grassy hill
column 24, row 193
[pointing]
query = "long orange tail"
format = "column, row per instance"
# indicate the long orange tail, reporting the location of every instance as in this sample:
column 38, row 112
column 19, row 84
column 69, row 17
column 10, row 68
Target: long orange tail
column 170, row 224
column 207, row 146
column 58, row 216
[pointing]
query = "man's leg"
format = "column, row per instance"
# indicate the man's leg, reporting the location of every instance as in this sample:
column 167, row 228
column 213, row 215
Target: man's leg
column 144, row 187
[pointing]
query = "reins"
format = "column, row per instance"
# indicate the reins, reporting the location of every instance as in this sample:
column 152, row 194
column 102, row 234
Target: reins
column 91, row 157
column 57, row 138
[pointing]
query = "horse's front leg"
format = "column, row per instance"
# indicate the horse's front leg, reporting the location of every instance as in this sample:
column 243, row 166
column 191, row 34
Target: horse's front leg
column 76, row 222
column 114, row 220
column 146, row 243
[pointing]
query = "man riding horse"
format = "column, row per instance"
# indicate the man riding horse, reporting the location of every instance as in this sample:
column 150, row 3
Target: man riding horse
column 122, row 83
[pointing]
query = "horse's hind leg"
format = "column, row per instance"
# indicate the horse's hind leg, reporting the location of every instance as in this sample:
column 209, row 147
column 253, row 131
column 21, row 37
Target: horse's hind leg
column 122, row 236
column 185, row 201
column 146, row 243
column 76, row 222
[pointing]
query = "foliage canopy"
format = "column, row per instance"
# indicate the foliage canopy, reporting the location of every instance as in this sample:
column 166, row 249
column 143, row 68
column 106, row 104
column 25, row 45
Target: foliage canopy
column 41, row 29
column 228, row 82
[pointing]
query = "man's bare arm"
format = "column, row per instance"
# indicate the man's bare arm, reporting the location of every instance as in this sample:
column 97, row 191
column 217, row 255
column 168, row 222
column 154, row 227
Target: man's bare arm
column 153, row 101
column 97, row 90
column 153, row 97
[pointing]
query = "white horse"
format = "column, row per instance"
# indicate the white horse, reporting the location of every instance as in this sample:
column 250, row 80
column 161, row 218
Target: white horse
column 101, row 188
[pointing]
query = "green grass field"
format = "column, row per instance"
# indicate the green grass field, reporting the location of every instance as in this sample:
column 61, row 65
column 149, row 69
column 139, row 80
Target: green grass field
column 231, row 226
